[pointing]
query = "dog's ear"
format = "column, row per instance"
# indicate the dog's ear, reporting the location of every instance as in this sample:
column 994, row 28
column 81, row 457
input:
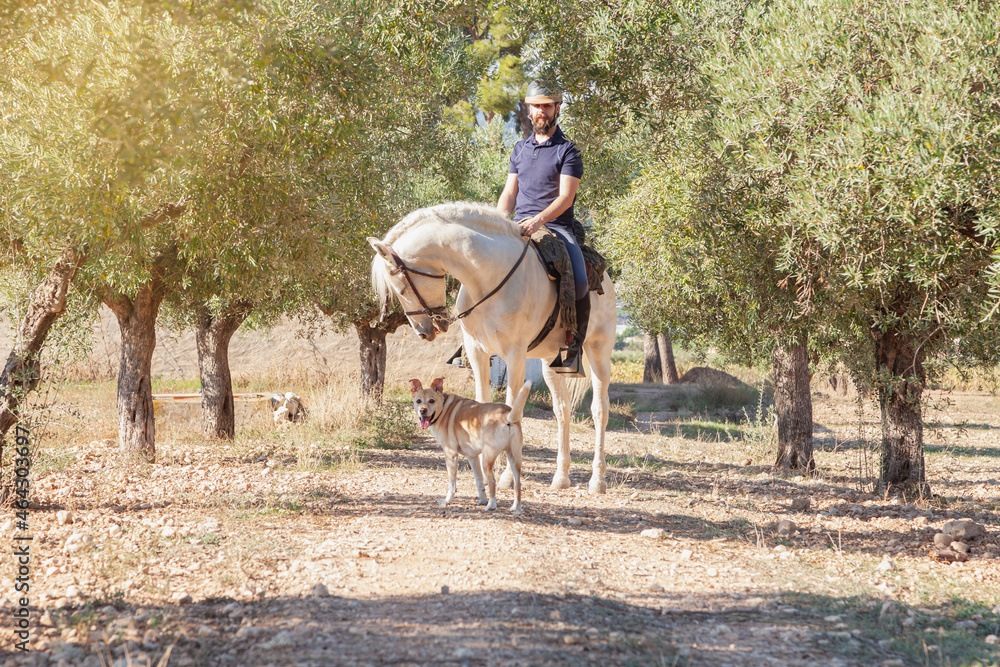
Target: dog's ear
column 415, row 386
column 438, row 385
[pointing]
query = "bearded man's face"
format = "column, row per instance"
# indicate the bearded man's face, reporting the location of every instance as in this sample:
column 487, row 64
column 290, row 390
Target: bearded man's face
column 543, row 117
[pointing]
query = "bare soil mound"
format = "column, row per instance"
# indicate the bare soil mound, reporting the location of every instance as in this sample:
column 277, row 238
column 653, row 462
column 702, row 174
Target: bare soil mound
column 710, row 376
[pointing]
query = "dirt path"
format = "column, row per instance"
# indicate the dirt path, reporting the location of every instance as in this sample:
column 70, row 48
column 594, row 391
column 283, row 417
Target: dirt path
column 231, row 558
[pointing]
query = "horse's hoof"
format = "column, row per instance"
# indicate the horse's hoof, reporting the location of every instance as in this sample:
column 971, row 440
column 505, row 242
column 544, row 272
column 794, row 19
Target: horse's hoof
column 483, row 501
column 492, row 505
column 598, row 485
column 443, row 502
column 560, row 482
column 516, row 510
column 506, row 480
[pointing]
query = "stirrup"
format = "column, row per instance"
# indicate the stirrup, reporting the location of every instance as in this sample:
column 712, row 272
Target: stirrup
column 456, row 358
column 570, row 364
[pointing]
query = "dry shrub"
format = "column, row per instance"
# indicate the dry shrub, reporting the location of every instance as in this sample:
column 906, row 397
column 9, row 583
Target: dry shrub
column 337, row 404
column 955, row 377
column 721, row 397
column 626, row 372
column 341, row 407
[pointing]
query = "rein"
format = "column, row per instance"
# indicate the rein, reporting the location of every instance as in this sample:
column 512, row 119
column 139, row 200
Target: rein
column 438, row 312
column 497, row 288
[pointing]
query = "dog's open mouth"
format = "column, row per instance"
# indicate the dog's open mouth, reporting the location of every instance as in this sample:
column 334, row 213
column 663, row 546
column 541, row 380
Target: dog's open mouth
column 425, row 421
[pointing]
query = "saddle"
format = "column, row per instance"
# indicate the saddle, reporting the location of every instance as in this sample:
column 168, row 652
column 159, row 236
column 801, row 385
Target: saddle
column 557, row 263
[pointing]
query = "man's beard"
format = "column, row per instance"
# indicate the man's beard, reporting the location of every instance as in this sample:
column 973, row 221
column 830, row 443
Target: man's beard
column 542, row 125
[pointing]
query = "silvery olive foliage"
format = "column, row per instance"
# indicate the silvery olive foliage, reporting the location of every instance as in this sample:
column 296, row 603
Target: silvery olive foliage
column 861, row 144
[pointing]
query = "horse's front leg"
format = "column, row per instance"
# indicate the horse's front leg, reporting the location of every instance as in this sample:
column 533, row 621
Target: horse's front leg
column 561, row 408
column 479, row 359
column 600, row 377
column 515, row 360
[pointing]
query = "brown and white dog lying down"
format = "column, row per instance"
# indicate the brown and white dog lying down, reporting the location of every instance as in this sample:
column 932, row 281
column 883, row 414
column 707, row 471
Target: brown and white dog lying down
column 463, row 426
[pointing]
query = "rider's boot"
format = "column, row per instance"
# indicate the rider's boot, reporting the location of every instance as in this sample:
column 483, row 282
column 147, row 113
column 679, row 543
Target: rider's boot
column 572, row 363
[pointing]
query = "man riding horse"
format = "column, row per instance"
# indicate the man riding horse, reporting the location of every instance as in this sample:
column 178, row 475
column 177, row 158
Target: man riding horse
column 544, row 175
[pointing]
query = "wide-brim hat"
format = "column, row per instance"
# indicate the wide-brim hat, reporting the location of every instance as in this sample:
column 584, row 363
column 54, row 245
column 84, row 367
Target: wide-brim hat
column 542, row 92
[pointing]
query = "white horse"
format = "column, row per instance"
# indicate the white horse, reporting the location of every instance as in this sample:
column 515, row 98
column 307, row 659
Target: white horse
column 479, row 246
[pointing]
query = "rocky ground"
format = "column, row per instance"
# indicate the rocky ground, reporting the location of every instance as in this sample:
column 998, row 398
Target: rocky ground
column 287, row 549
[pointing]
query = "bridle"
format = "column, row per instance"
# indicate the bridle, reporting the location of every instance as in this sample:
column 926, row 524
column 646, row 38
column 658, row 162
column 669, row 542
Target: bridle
column 436, row 313
column 439, row 313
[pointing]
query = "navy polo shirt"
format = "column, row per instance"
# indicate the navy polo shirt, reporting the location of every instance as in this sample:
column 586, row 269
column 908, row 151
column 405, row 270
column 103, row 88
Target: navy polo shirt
column 538, row 167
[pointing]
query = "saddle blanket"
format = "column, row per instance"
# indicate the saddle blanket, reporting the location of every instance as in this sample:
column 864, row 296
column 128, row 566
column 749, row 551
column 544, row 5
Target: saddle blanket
column 556, row 259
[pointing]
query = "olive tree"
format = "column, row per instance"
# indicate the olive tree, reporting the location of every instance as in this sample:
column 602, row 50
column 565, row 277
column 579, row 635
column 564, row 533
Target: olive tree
column 420, row 147
column 865, row 140
column 694, row 250
column 280, row 148
column 96, row 110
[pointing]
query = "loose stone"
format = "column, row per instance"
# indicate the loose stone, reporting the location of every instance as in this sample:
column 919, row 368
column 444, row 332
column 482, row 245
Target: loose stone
column 281, row 640
column 961, row 547
column 77, row 541
column 787, row 527
column 963, row 530
column 886, row 565
column 799, row 504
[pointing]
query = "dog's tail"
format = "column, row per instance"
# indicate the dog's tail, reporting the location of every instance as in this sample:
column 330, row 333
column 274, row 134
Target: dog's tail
column 516, row 410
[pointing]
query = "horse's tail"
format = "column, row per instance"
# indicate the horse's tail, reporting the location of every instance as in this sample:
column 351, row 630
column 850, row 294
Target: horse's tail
column 516, row 410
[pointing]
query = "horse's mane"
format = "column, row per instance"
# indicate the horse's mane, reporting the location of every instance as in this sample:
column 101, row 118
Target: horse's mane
column 482, row 217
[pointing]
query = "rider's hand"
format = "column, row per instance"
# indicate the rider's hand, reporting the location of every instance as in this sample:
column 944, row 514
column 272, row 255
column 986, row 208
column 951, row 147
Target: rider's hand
column 531, row 225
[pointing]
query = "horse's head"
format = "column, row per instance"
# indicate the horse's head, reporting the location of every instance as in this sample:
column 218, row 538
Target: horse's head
column 421, row 293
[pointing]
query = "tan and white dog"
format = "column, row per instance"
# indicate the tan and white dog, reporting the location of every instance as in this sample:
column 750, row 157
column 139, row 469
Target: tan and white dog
column 464, row 426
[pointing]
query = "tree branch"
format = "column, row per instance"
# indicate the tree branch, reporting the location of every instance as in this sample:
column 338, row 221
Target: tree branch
column 167, row 211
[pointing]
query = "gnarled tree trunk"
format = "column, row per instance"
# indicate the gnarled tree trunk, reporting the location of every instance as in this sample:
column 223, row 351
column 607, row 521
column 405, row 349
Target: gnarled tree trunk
column 658, row 359
column 793, row 404
column 22, row 372
column 900, row 365
column 669, row 366
column 652, row 366
column 373, row 351
column 137, row 322
column 212, row 335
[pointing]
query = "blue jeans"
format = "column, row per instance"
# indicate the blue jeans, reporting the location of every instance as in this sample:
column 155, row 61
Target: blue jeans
column 576, row 257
